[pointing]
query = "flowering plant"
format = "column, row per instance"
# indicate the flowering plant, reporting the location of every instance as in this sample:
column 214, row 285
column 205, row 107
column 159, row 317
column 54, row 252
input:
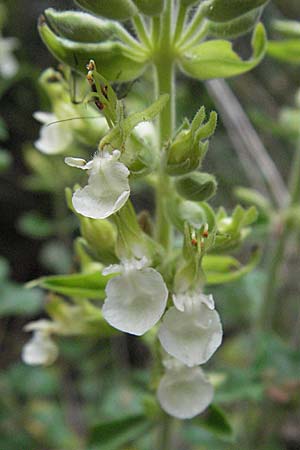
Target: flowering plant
column 153, row 278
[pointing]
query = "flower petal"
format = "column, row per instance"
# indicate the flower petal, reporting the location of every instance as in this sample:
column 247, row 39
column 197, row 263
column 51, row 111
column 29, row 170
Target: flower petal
column 135, row 300
column 107, row 191
column 191, row 337
column 184, row 393
column 40, row 350
column 54, row 138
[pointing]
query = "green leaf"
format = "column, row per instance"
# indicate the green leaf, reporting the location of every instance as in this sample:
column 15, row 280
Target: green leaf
column 216, row 422
column 113, row 57
column 216, row 59
column 3, row 130
column 225, row 10
column 35, row 226
column 5, row 159
column 235, row 27
column 15, row 300
column 290, row 28
column 220, row 276
column 113, row 9
column 286, row 51
column 87, row 285
column 220, row 263
column 114, row 434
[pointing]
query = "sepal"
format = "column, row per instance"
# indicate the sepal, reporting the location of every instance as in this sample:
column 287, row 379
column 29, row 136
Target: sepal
column 112, row 9
column 132, row 242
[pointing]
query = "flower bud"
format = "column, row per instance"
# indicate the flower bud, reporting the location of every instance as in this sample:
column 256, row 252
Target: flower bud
column 112, row 57
column 132, row 242
column 235, row 27
column 112, row 9
column 81, row 27
column 150, row 7
column 187, row 151
column 225, row 10
column 196, row 186
column 100, row 236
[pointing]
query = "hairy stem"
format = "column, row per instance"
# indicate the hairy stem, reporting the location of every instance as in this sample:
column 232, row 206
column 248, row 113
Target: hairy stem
column 165, row 435
column 277, row 257
column 164, row 82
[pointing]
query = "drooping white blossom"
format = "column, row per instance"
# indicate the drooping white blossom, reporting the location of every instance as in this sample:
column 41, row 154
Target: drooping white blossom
column 8, row 63
column 40, row 349
column 108, row 186
column 55, row 138
column 191, row 331
column 184, row 392
column 136, row 299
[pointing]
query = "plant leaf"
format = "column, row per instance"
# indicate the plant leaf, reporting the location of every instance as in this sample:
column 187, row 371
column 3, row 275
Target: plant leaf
column 216, row 59
column 86, row 285
column 220, row 276
column 112, row 435
column 286, row 51
column 216, row 422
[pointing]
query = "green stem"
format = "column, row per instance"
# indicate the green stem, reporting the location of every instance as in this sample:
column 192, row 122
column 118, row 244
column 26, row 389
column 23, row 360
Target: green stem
column 164, row 77
column 165, row 435
column 277, row 256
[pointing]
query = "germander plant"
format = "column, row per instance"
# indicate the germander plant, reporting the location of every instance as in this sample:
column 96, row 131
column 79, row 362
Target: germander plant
column 152, row 274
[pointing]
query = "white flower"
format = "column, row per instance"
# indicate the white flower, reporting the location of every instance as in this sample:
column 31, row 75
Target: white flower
column 184, row 392
column 54, row 138
column 136, row 299
column 108, row 186
column 192, row 331
column 146, row 131
column 40, row 349
column 8, row 63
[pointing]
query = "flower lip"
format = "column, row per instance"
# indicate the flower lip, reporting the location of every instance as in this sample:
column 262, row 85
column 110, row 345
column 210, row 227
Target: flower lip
column 136, row 299
column 191, row 333
column 54, row 137
column 108, row 186
column 184, row 392
column 40, row 349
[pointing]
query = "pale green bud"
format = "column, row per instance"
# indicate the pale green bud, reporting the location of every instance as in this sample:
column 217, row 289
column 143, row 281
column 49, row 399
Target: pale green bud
column 235, row 27
column 101, row 236
column 196, row 186
column 112, row 9
column 187, row 151
column 132, row 242
column 225, row 10
column 81, row 27
column 113, row 58
column 150, row 7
